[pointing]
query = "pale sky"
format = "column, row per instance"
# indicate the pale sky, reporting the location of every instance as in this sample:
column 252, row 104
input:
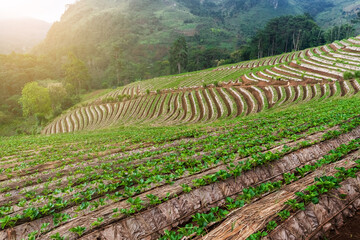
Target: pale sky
column 47, row 10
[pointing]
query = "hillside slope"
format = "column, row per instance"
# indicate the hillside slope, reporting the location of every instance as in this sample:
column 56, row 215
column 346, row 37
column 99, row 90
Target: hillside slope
column 136, row 34
column 226, row 92
column 288, row 173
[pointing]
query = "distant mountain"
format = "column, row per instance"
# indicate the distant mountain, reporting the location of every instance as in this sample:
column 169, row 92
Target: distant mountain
column 21, row 35
column 127, row 39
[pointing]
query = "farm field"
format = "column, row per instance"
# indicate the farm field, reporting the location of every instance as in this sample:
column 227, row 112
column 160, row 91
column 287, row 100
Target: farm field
column 266, row 149
column 195, row 180
column 224, row 92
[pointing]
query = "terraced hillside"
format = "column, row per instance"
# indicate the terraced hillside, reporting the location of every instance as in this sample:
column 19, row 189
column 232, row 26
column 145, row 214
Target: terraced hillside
column 285, row 173
column 272, row 151
column 226, row 92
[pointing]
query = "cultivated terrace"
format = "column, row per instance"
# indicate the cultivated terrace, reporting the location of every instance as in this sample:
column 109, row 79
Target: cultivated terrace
column 265, row 149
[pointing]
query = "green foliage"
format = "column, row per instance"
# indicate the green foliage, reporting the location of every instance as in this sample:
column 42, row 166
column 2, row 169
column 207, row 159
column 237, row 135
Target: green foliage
column 76, row 72
column 178, row 55
column 285, row 34
column 78, row 230
column 339, row 32
column 57, row 236
column 260, row 131
column 348, row 75
column 35, row 100
column 97, row 222
column 271, row 226
column 186, row 188
column 203, row 58
column 285, row 214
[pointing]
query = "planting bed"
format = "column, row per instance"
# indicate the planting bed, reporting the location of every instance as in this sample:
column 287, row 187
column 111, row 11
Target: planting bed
column 223, row 92
column 170, row 182
column 271, row 150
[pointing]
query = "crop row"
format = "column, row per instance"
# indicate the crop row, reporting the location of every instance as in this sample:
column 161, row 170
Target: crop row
column 200, row 105
column 116, row 181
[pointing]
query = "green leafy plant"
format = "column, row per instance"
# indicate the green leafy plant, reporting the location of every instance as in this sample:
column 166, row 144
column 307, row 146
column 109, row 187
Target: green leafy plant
column 78, row 230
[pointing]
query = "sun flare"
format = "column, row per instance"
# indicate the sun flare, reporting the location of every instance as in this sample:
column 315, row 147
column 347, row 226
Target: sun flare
column 47, row 10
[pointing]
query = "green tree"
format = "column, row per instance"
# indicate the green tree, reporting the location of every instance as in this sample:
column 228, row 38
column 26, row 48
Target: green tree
column 179, row 55
column 35, row 100
column 284, row 34
column 58, row 96
column 339, row 32
column 76, row 72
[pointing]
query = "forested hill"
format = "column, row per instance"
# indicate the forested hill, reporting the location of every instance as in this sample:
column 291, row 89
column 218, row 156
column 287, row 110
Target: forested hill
column 125, row 40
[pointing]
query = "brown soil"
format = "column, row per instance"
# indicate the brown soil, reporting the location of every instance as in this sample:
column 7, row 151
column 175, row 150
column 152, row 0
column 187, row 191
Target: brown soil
column 192, row 105
column 245, row 81
column 297, row 93
column 223, row 98
column 237, row 101
column 269, row 97
column 322, row 89
column 119, row 111
column 332, row 90
column 313, row 91
column 343, row 89
column 162, row 106
column 250, row 105
column 332, row 46
column 156, row 104
column 139, row 106
column 177, row 111
column 257, row 98
column 207, row 100
column 175, row 106
column 169, row 103
column 218, row 109
column 147, row 108
column 287, row 93
column 265, row 77
column 184, row 106
column 350, row 230
column 253, row 217
column 200, row 103
column 263, row 170
column 313, row 70
column 354, row 86
column 134, row 108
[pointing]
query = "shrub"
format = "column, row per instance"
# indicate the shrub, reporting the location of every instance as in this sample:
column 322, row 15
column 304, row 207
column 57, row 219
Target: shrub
column 348, row 75
column 357, row 74
column 4, row 118
column 147, row 91
column 120, row 97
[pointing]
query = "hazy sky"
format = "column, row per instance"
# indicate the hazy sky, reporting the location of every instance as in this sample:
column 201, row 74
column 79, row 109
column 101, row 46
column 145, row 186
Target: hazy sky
column 48, row 10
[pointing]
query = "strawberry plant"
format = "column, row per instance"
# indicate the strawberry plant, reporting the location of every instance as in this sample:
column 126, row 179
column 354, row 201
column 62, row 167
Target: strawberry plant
column 78, row 230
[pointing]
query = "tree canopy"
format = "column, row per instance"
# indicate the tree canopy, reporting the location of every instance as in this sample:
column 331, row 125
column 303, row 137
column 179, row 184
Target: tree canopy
column 35, row 100
column 76, row 72
column 178, row 55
